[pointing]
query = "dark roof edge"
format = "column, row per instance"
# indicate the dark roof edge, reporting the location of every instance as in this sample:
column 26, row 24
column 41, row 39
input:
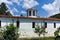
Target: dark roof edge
column 22, row 17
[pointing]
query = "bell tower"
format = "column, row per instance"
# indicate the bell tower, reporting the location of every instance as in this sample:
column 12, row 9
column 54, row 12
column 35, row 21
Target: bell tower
column 31, row 12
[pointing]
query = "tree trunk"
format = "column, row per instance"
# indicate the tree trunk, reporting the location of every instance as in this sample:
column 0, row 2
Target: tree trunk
column 39, row 36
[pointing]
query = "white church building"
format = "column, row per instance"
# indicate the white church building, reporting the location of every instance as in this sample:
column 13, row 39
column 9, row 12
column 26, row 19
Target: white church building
column 27, row 24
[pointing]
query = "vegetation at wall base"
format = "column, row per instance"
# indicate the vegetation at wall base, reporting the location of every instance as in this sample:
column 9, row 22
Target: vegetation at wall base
column 10, row 33
column 40, row 30
column 46, row 38
column 57, row 31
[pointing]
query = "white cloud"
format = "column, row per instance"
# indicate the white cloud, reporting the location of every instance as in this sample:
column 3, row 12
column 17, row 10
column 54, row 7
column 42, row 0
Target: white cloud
column 26, row 3
column 11, row 11
column 15, row 10
column 8, row 7
column 5, row 1
column 23, row 12
column 23, row 3
column 16, row 15
column 52, row 8
column 16, row 1
column 29, row 3
column 48, row 7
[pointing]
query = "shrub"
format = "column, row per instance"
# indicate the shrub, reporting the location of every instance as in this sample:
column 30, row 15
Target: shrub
column 57, row 32
column 40, row 30
column 1, row 34
column 10, row 33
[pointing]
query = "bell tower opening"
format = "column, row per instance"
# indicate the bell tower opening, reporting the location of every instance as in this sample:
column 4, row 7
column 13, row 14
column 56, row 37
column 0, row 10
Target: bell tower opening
column 31, row 12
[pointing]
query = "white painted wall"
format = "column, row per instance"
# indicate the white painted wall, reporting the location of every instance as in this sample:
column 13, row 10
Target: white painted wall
column 26, row 26
column 26, row 30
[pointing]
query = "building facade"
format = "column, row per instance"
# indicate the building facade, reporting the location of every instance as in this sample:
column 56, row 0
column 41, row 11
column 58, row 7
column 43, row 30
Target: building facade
column 27, row 24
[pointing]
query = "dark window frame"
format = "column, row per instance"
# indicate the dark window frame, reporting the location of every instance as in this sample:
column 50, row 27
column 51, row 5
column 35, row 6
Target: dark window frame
column 33, row 13
column 17, row 23
column 0, row 23
column 45, row 24
column 29, row 13
column 54, row 25
column 33, row 24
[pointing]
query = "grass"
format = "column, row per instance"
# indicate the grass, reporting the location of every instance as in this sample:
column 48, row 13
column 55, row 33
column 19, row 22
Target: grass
column 46, row 38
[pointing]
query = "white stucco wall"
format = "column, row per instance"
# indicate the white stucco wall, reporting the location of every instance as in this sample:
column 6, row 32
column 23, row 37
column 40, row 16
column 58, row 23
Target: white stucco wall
column 26, row 26
column 26, row 30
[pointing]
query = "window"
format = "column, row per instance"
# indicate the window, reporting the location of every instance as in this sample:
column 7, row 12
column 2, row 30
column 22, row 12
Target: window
column 0, row 23
column 45, row 24
column 54, row 25
column 33, row 24
column 17, row 23
column 12, row 21
column 33, row 13
column 29, row 13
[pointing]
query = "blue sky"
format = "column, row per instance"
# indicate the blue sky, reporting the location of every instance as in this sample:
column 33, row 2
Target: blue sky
column 41, row 11
column 45, row 8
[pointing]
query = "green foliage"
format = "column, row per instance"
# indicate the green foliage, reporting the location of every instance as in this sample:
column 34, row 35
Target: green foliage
column 10, row 33
column 46, row 38
column 43, row 30
column 58, row 38
column 1, row 34
column 57, row 31
column 55, row 16
column 8, row 13
column 4, row 9
column 40, row 30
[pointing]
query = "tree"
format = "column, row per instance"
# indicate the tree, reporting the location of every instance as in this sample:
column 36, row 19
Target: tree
column 1, row 34
column 43, row 30
column 40, row 30
column 8, row 13
column 11, row 33
column 55, row 16
column 4, row 9
column 57, row 32
column 21, row 15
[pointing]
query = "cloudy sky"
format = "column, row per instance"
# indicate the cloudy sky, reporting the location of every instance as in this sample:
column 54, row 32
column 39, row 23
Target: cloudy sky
column 45, row 7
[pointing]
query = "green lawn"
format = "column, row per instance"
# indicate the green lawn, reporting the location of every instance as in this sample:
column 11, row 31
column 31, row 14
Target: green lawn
column 49, row 38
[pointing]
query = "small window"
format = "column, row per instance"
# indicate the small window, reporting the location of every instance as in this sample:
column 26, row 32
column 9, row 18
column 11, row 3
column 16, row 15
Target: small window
column 29, row 13
column 17, row 23
column 0, row 23
column 45, row 24
column 54, row 25
column 33, row 24
column 33, row 13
